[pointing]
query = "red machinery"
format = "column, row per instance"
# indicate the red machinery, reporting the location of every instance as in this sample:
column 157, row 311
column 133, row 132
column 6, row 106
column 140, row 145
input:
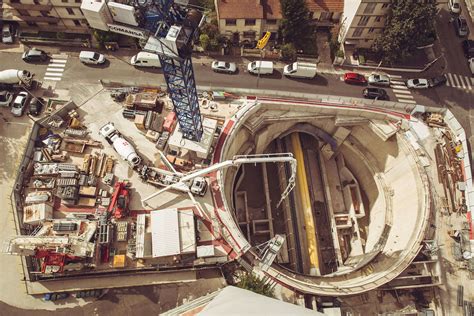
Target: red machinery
column 118, row 206
column 53, row 262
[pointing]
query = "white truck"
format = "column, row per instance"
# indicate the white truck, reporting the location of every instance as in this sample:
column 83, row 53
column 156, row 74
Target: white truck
column 300, row 70
column 11, row 77
column 120, row 144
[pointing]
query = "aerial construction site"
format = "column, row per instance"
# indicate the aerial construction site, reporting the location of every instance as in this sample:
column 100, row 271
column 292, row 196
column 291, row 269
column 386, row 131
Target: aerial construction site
column 321, row 196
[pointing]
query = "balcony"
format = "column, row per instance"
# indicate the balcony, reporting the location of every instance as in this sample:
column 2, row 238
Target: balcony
column 30, row 7
column 47, row 19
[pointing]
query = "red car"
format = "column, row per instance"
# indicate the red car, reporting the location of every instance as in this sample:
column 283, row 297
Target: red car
column 354, row 78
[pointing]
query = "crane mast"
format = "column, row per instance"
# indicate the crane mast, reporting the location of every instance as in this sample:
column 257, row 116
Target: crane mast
column 172, row 28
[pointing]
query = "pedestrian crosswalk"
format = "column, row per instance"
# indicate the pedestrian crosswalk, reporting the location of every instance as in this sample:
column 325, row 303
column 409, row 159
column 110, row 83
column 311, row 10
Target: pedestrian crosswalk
column 56, row 66
column 402, row 93
column 459, row 81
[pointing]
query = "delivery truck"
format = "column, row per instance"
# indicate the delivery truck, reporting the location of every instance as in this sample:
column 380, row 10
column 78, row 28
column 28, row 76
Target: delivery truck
column 300, row 70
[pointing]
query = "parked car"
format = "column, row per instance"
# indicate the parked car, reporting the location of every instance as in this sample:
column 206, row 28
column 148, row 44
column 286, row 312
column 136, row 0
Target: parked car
column 260, row 67
column 19, row 103
column 354, row 78
column 437, row 81
column 35, row 54
column 7, row 34
column 379, row 80
column 375, row 93
column 92, row 58
column 5, row 98
column 470, row 62
column 419, row 83
column 55, row 296
column 460, row 25
column 222, row 66
column 35, row 107
column 454, row 6
column 468, row 48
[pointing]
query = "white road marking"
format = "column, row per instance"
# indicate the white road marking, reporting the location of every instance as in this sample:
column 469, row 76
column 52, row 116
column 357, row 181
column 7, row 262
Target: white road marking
column 57, row 65
column 407, row 101
column 399, row 87
column 55, row 69
column 401, row 91
column 450, row 80
column 456, row 82
column 63, row 61
column 461, row 81
column 53, row 74
column 395, row 76
column 52, row 78
column 61, row 56
column 401, row 96
column 398, row 82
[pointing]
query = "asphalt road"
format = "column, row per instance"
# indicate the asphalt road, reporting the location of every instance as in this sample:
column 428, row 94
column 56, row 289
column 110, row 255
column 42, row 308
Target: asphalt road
column 118, row 68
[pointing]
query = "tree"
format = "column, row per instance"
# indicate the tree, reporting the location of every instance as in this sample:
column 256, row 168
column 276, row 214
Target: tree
column 250, row 282
column 296, row 26
column 288, row 52
column 204, row 40
column 409, row 25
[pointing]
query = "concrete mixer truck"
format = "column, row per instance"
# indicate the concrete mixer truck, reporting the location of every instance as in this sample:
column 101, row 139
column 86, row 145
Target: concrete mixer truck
column 120, row 144
column 12, row 77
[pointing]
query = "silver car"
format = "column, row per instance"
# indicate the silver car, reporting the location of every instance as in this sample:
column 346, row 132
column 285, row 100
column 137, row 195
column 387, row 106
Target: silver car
column 379, row 80
column 19, row 103
column 5, row 98
column 418, row 83
column 223, row 66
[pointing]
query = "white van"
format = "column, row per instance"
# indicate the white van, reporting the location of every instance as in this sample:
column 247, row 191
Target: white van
column 144, row 59
column 7, row 34
column 92, row 58
column 262, row 67
column 300, row 70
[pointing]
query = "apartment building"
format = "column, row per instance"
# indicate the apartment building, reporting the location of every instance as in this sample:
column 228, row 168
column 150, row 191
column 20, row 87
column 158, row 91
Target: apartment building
column 362, row 22
column 242, row 20
column 46, row 15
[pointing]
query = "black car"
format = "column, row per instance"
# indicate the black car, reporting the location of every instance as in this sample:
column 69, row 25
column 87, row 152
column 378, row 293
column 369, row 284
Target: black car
column 375, row 93
column 36, row 105
column 34, row 54
column 468, row 48
column 437, row 81
column 460, row 25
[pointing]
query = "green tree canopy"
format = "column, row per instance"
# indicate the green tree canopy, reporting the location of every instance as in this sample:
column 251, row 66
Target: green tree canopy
column 409, row 25
column 296, row 27
column 252, row 283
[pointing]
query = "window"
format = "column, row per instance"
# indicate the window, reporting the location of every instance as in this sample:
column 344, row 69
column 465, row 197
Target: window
column 370, row 7
column 271, row 22
column 371, row 30
column 357, row 32
column 76, row 22
column 23, row 12
column 230, row 22
column 385, row 5
column 250, row 21
column 15, row 1
column 250, row 34
column 37, row 1
column 363, row 21
column 31, row 23
column 70, row 11
column 378, row 19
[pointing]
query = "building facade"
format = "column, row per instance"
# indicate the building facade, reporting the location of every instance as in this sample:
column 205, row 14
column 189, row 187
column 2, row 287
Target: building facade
column 46, row 15
column 363, row 21
column 248, row 20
